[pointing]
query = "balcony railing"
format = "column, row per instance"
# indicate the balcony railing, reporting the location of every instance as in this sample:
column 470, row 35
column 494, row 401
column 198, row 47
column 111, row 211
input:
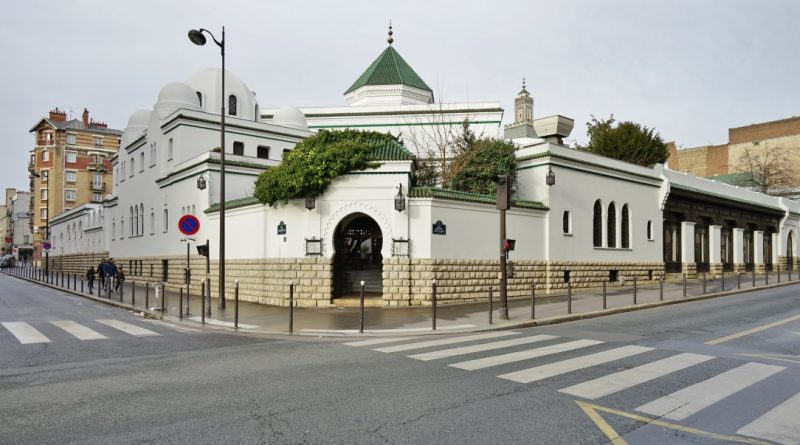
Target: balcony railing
column 98, row 186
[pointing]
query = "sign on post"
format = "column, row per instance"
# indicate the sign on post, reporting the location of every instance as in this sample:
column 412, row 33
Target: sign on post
column 188, row 225
column 46, row 245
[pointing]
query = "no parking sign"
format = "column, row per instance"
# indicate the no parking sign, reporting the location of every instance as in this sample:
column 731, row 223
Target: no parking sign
column 188, row 225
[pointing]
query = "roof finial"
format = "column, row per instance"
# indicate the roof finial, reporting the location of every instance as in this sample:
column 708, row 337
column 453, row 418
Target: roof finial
column 390, row 39
column 523, row 83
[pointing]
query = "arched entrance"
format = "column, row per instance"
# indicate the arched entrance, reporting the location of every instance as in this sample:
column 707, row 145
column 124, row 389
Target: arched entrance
column 357, row 241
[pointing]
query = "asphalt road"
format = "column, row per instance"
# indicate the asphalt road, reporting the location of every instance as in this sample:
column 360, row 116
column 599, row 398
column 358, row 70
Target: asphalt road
column 718, row 371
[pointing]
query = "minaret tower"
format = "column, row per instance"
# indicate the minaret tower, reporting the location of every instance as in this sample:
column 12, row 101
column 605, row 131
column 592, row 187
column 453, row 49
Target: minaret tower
column 523, row 116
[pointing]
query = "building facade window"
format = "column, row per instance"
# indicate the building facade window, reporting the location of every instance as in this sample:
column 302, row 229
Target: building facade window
column 611, row 227
column 262, row 152
column 70, row 175
column 98, row 141
column 566, row 223
column 200, row 98
column 71, row 157
column 97, row 197
column 69, row 195
column 650, row 230
column 285, row 150
column 232, row 105
column 238, row 148
column 130, row 221
column 166, row 220
column 113, row 230
column 71, row 139
column 141, row 161
column 133, row 167
column 45, row 156
column 625, row 228
column 44, row 193
column 152, row 222
column 169, row 150
column 597, row 225
column 141, row 219
column 43, row 213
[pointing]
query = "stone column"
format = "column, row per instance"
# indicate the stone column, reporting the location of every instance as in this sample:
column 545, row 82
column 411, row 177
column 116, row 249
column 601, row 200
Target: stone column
column 758, row 251
column 715, row 250
column 738, row 249
column 689, row 265
column 777, row 249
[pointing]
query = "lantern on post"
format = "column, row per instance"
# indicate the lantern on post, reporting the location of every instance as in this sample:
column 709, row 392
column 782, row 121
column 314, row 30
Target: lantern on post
column 399, row 199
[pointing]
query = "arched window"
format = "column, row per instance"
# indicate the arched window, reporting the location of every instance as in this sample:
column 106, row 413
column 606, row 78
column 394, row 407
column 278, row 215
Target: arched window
column 80, row 229
column 611, row 226
column 232, row 105
column 130, row 221
column 166, row 220
column 626, row 228
column 113, row 230
column 141, row 219
column 121, row 227
column 566, row 223
column 200, row 98
column 597, row 225
column 650, row 230
column 152, row 222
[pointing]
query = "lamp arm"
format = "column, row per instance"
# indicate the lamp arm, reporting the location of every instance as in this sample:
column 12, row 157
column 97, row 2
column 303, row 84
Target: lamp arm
column 219, row 44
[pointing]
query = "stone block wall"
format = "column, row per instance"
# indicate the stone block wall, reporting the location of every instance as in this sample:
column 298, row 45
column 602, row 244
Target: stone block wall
column 588, row 275
column 264, row 281
column 77, row 263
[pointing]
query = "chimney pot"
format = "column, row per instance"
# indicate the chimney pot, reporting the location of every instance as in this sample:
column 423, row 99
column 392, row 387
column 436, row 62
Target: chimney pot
column 85, row 118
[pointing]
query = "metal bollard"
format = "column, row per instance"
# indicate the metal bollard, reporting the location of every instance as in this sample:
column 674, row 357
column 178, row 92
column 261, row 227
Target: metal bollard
column 361, row 305
column 163, row 298
column 180, row 304
column 778, row 267
column 604, row 296
column 146, row 296
column 533, row 301
column 133, row 292
column 236, row 304
column 661, row 289
column 766, row 276
column 81, row 284
column 208, row 295
column 569, row 297
column 491, row 297
column 433, row 303
column 723, row 281
column 754, row 275
column 704, row 283
column 634, row 291
column 790, row 273
column 738, row 280
column 203, row 302
column 684, row 285
column 109, row 290
column 291, row 306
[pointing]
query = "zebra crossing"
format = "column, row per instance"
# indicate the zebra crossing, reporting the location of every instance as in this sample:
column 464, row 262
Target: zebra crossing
column 483, row 352
column 26, row 333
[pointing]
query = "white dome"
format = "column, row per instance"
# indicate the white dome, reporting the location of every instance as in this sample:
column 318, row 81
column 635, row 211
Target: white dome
column 208, row 82
column 290, row 117
column 176, row 95
column 137, row 125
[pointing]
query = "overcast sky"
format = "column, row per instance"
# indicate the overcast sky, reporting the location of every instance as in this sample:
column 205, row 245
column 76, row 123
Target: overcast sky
column 689, row 68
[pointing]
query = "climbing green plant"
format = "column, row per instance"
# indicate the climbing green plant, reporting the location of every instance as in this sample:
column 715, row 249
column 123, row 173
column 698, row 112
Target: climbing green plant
column 473, row 168
column 309, row 168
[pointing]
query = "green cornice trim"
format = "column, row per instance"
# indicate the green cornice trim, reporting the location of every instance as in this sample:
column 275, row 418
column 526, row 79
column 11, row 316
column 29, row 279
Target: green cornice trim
column 217, row 162
column 233, row 204
column 228, row 127
column 457, row 195
column 714, row 198
column 593, row 164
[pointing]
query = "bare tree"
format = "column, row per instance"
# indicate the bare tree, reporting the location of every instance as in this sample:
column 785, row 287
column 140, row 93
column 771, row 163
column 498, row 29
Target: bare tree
column 771, row 170
column 436, row 137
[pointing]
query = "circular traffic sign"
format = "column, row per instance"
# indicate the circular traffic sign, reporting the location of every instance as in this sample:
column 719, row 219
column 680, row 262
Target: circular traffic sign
column 46, row 245
column 188, row 224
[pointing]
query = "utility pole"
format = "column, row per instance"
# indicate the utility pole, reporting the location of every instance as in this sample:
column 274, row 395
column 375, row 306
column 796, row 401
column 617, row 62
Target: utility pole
column 503, row 203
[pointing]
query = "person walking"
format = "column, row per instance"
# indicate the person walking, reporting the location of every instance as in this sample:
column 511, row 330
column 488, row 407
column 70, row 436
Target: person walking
column 101, row 271
column 120, row 278
column 111, row 273
column 90, row 278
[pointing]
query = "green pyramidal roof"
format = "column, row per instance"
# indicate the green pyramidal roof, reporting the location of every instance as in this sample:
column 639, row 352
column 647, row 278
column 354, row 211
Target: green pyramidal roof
column 389, row 69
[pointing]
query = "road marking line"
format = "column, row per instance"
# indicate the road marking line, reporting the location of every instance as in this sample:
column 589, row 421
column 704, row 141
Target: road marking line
column 78, row 330
column 228, row 324
column 376, row 341
column 553, row 369
column 609, row 384
column 387, row 331
column 25, row 333
column 128, row 328
column 591, row 410
column 445, row 341
column 444, row 353
column 173, row 327
column 512, row 357
column 688, row 401
column 779, row 424
column 753, row 330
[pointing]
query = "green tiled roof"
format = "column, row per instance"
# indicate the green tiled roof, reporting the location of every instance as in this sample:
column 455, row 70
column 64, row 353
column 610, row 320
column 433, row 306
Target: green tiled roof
column 389, row 69
column 740, row 179
column 456, row 195
column 390, row 151
column 232, row 204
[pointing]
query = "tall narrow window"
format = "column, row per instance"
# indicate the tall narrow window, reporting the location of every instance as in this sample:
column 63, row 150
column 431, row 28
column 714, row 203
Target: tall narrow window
column 238, row 148
column 130, row 220
column 649, row 230
column 166, row 220
column 626, row 236
column 566, row 223
column 597, row 225
column 141, row 219
column 169, row 150
column 232, row 105
column 152, row 222
column 611, row 226
column 200, row 98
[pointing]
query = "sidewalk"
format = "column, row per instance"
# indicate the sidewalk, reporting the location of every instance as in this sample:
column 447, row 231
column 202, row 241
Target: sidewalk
column 261, row 319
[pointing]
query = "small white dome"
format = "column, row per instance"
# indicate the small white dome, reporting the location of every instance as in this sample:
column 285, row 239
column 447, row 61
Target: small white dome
column 290, row 117
column 208, row 83
column 176, row 95
column 137, row 126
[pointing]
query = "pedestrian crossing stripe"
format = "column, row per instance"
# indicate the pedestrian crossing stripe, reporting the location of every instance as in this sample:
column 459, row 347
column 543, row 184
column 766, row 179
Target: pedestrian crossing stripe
column 27, row 334
column 593, row 412
column 79, row 331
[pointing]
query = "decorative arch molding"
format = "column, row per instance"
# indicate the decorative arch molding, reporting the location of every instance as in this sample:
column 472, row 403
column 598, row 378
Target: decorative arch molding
column 355, row 207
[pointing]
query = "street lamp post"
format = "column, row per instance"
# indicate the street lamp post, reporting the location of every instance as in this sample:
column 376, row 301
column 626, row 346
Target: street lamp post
column 197, row 37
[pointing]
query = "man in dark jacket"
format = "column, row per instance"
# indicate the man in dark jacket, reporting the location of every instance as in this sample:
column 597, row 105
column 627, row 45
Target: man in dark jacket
column 101, row 272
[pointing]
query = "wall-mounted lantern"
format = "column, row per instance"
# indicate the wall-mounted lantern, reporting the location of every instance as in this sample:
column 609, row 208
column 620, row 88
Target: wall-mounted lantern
column 202, row 182
column 399, row 199
column 551, row 177
column 310, row 203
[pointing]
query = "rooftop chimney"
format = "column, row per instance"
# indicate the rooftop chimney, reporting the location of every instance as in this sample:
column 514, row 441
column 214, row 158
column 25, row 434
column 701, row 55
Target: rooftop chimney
column 58, row 115
column 85, row 118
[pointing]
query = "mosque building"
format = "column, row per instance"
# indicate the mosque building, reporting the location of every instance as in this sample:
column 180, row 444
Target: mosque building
column 577, row 218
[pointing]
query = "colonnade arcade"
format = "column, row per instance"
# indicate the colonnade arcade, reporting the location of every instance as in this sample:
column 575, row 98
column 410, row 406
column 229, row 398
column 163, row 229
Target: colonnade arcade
column 713, row 234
